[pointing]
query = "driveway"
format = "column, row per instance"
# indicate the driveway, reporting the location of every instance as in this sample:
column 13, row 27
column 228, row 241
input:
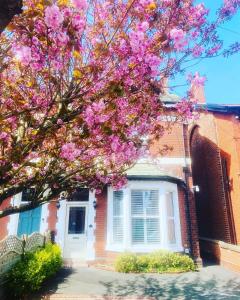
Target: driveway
column 211, row 283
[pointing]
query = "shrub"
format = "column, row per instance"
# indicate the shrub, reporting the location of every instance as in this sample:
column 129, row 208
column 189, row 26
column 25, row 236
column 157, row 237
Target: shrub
column 28, row 274
column 156, row 262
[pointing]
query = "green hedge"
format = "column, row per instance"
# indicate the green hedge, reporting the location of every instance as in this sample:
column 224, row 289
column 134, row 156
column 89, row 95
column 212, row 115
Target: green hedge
column 156, row 262
column 28, row 274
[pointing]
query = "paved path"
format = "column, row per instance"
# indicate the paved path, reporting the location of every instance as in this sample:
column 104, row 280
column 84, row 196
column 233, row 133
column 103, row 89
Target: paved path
column 211, row 283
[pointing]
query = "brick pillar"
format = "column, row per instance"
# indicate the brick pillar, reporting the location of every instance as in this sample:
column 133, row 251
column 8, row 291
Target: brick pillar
column 101, row 226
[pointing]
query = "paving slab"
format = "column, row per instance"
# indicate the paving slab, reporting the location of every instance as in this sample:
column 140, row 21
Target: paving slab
column 210, row 283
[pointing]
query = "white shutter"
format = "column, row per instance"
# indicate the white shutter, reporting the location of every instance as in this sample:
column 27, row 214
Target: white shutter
column 153, row 230
column 137, row 205
column 137, row 211
column 145, row 216
column 117, row 217
column 170, row 218
column 152, row 212
column 152, row 203
column 138, row 231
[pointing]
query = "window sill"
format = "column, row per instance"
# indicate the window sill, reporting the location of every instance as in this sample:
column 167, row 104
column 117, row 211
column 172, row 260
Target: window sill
column 144, row 249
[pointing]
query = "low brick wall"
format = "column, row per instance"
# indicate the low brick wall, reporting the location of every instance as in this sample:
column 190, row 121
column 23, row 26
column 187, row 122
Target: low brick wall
column 227, row 255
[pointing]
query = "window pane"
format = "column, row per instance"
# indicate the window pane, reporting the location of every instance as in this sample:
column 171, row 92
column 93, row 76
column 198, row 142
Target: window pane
column 152, row 203
column 137, row 230
column 117, row 203
column 81, row 194
column 170, row 206
column 76, row 224
column 153, row 230
column 117, row 217
column 117, row 229
column 171, row 232
column 137, row 202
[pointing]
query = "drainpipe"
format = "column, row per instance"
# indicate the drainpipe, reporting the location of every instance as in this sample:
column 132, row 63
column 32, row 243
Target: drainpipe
column 186, row 187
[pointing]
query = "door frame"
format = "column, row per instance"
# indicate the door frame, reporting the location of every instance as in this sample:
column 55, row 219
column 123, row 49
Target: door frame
column 75, row 204
column 61, row 225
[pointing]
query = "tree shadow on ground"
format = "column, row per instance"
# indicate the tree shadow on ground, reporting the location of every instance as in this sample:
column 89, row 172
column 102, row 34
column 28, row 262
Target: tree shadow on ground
column 50, row 286
column 174, row 288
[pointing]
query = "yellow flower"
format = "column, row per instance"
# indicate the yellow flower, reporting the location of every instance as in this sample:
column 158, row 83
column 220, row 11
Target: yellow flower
column 40, row 6
column 63, row 2
column 131, row 65
column 77, row 74
column 34, row 132
column 76, row 54
column 152, row 6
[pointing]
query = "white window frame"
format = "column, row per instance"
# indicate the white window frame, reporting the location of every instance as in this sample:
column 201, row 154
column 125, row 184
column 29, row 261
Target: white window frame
column 163, row 188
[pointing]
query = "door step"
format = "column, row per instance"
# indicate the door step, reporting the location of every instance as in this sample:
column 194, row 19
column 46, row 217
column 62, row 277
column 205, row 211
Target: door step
column 73, row 263
column 94, row 297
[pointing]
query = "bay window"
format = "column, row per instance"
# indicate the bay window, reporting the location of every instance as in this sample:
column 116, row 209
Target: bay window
column 143, row 217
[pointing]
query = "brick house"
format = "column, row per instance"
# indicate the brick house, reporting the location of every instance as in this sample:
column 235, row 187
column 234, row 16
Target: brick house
column 156, row 210
column 215, row 153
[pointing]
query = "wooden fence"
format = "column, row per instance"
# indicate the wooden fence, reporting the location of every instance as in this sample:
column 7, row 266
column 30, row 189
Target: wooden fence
column 12, row 249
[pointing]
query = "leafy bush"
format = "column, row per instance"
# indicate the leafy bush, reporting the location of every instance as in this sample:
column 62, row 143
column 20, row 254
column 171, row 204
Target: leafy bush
column 28, row 274
column 156, row 262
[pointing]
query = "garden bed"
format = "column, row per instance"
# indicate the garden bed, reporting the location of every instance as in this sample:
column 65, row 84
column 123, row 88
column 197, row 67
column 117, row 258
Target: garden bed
column 156, row 262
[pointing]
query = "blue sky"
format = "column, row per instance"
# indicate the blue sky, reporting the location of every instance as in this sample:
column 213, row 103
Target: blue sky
column 223, row 74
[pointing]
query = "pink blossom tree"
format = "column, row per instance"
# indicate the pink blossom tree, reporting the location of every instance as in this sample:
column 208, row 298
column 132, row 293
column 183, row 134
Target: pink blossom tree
column 81, row 85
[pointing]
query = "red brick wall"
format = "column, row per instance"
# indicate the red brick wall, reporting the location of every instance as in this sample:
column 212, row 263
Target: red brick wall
column 172, row 141
column 4, row 221
column 101, row 230
column 52, row 216
column 228, row 131
column 211, row 200
column 224, row 254
column 216, row 144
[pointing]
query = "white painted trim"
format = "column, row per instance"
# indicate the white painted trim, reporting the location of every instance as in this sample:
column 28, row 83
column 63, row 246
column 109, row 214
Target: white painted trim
column 12, row 226
column 44, row 219
column 163, row 188
column 91, row 227
column 165, row 161
column 60, row 225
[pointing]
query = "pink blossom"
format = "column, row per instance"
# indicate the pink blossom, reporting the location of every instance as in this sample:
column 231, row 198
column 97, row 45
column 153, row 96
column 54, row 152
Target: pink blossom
column 196, row 80
column 197, row 51
column 80, row 4
column 62, row 38
column 53, row 17
column 78, row 23
column 69, row 151
column 178, row 36
column 3, row 136
column 23, row 53
column 143, row 26
column 214, row 50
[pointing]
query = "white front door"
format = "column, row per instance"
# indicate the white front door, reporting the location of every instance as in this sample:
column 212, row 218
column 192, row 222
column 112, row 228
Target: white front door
column 75, row 246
